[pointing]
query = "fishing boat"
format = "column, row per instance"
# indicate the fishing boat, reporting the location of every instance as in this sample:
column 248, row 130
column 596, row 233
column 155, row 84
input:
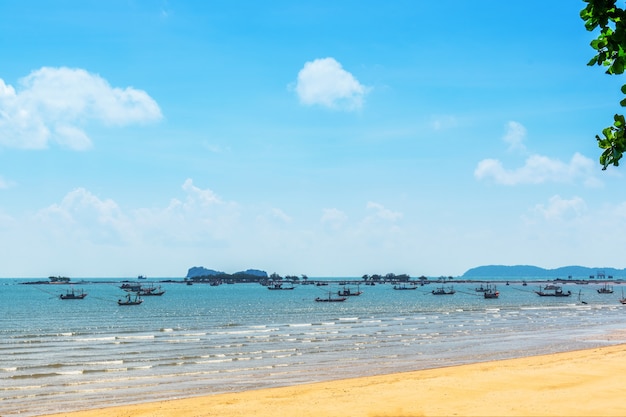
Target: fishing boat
column 404, row 287
column 551, row 287
column 491, row 292
column 482, row 288
column 280, row 286
column 622, row 300
column 552, row 291
column 605, row 289
column 444, row 291
column 330, row 299
column 132, row 287
column 130, row 301
column 72, row 295
column 347, row 292
column 150, row 291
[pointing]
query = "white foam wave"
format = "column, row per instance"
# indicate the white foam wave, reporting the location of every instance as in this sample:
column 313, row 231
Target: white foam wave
column 138, row 337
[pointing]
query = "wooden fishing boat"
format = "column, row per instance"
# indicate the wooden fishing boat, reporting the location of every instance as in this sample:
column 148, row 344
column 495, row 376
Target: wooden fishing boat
column 330, row 299
column 491, row 292
column 482, row 288
column 131, row 286
column 443, row 291
column 150, row 291
column 404, row 287
column 605, row 289
column 72, row 295
column 554, row 291
column 280, row 286
column 130, row 301
column 347, row 292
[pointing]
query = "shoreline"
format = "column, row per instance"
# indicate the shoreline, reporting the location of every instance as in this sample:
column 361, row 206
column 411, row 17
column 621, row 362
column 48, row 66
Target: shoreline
column 576, row 383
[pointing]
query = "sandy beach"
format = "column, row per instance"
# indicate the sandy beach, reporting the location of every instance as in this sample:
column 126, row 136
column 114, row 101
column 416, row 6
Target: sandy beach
column 579, row 383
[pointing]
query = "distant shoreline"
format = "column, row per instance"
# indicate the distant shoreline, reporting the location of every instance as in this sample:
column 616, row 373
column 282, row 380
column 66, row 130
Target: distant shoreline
column 337, row 281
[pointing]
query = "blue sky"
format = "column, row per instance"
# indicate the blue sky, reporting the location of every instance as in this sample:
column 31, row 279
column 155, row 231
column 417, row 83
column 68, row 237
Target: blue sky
column 317, row 137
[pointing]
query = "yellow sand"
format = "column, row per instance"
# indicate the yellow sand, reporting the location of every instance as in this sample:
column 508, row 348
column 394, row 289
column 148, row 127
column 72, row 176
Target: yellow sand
column 589, row 382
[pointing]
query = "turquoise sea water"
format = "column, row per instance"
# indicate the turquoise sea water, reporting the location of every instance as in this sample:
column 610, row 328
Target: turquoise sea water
column 61, row 355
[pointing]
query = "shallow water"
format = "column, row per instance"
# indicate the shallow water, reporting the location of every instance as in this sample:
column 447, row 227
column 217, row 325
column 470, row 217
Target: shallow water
column 60, row 355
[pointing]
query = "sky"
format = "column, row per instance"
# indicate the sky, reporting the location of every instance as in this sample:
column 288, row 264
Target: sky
column 318, row 137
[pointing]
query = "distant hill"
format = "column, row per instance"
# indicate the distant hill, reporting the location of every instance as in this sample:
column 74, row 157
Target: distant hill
column 529, row 271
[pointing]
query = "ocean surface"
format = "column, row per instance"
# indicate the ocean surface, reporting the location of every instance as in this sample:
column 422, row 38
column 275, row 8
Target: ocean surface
column 62, row 355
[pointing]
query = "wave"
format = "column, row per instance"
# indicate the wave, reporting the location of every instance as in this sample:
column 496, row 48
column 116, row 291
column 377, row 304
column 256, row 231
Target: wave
column 137, row 337
column 182, row 340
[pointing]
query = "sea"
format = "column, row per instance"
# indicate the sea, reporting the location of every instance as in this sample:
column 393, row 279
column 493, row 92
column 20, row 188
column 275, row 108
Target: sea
column 63, row 355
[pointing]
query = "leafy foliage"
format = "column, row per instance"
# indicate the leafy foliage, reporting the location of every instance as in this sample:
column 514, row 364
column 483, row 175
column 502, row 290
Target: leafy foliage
column 610, row 47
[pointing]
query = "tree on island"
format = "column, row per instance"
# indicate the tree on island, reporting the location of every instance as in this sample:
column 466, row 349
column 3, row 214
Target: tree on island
column 610, row 47
column 59, row 279
column 390, row 277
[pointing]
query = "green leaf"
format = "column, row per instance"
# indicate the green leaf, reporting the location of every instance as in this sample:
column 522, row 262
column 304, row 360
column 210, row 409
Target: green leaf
column 618, row 66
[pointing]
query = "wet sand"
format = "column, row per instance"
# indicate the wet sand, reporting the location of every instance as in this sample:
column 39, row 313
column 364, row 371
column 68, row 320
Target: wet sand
column 581, row 383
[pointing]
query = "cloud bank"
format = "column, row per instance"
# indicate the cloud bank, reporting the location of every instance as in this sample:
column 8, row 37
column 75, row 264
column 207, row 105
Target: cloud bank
column 56, row 104
column 537, row 169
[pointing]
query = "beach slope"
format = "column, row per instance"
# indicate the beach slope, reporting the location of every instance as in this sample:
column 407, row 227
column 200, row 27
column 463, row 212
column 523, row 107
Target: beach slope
column 580, row 383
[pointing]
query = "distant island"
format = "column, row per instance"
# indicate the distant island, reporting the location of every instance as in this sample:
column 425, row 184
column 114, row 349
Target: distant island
column 529, row 271
column 200, row 271
column 202, row 274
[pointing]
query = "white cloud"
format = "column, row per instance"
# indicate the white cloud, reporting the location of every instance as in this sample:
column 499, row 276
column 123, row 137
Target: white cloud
column 382, row 213
column 72, row 137
column 515, row 135
column 559, row 208
column 82, row 215
column 324, row 82
column 278, row 214
column 195, row 194
column 333, row 218
column 539, row 169
column 201, row 217
column 56, row 104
